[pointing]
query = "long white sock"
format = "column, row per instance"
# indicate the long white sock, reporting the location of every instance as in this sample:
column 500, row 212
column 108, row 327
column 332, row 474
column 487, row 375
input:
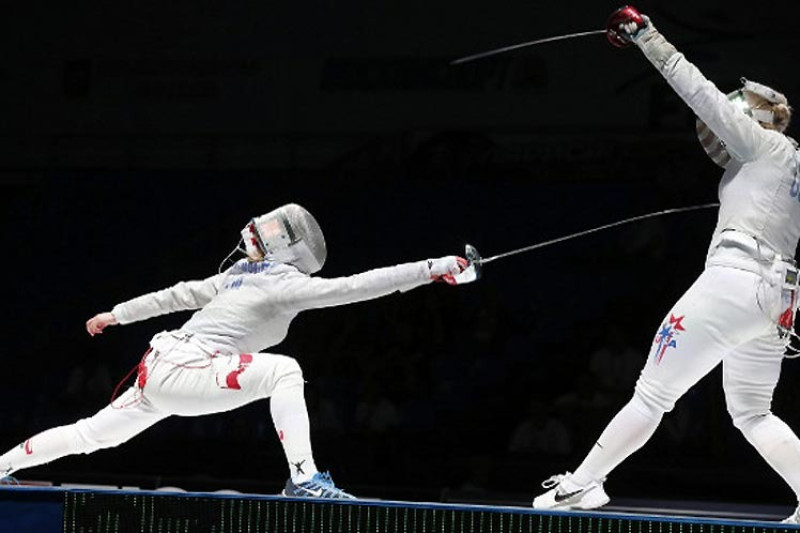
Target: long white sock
column 778, row 445
column 42, row 448
column 628, row 431
column 290, row 416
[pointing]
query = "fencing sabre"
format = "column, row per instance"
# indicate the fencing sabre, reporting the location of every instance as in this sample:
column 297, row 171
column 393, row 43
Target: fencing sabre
column 475, row 262
column 615, row 37
column 625, row 14
column 525, row 45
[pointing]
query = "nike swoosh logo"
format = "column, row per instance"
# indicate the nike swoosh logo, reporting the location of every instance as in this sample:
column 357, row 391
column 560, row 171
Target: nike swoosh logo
column 28, row 448
column 316, row 493
column 560, row 498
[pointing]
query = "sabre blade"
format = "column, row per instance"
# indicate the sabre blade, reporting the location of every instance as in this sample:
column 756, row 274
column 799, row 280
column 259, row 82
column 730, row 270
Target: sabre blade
column 483, row 261
column 524, row 45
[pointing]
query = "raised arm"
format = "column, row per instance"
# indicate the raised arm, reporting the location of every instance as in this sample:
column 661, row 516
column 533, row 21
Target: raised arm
column 743, row 136
column 183, row 296
column 302, row 293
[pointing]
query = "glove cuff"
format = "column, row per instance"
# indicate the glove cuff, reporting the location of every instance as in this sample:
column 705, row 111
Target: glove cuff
column 655, row 47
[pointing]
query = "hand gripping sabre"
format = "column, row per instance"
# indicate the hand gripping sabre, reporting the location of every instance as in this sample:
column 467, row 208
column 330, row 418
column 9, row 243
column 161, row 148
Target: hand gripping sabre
column 475, row 262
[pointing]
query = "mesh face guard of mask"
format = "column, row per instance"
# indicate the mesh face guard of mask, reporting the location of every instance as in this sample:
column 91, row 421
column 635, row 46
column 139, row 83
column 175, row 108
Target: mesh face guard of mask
column 290, row 235
column 712, row 144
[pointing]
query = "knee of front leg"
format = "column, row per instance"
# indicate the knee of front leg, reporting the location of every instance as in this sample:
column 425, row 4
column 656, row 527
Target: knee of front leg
column 653, row 399
column 744, row 412
column 288, row 373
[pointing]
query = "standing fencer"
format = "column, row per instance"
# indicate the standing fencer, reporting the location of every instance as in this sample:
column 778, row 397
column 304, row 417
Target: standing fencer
column 740, row 310
column 212, row 364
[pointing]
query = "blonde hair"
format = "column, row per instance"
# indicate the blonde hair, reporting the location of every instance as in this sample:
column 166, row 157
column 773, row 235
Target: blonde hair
column 783, row 115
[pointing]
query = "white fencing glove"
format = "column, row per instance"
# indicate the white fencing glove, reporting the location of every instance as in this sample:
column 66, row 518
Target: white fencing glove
column 627, row 25
column 634, row 30
column 444, row 269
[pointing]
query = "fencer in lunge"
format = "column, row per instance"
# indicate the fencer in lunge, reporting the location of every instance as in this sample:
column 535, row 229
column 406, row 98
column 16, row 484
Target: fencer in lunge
column 215, row 361
column 740, row 310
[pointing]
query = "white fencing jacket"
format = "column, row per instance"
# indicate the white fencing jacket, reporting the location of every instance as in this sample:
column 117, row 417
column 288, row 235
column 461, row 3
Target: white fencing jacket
column 758, row 192
column 249, row 307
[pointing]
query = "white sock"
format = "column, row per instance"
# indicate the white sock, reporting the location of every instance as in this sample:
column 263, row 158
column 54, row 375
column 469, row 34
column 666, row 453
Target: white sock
column 290, row 416
column 628, row 431
column 778, row 445
column 42, row 448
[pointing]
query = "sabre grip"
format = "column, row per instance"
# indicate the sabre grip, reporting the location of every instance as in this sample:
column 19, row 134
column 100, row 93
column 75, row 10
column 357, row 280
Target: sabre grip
column 622, row 24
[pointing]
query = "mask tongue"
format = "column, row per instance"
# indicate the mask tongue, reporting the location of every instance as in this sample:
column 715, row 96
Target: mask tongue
column 299, row 255
column 305, row 259
column 763, row 115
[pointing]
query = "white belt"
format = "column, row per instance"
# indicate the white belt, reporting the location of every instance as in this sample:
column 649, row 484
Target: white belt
column 736, row 249
column 166, row 341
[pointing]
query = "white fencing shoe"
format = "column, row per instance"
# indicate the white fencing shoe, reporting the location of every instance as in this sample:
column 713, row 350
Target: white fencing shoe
column 565, row 494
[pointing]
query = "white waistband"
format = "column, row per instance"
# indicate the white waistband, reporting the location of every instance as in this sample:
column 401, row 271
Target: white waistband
column 166, row 341
column 739, row 250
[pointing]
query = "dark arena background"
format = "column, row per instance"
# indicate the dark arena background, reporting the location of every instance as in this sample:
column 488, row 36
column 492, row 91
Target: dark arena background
column 139, row 138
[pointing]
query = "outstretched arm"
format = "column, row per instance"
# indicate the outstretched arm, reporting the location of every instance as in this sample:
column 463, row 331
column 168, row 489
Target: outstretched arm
column 183, row 296
column 308, row 292
column 743, row 136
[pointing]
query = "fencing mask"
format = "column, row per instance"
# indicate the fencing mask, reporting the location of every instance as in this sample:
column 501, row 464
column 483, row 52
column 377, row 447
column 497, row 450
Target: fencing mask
column 712, row 144
column 290, row 235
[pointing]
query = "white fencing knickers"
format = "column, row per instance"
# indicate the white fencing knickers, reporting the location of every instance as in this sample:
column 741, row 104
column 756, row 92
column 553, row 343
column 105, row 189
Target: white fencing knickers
column 729, row 315
column 179, row 376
